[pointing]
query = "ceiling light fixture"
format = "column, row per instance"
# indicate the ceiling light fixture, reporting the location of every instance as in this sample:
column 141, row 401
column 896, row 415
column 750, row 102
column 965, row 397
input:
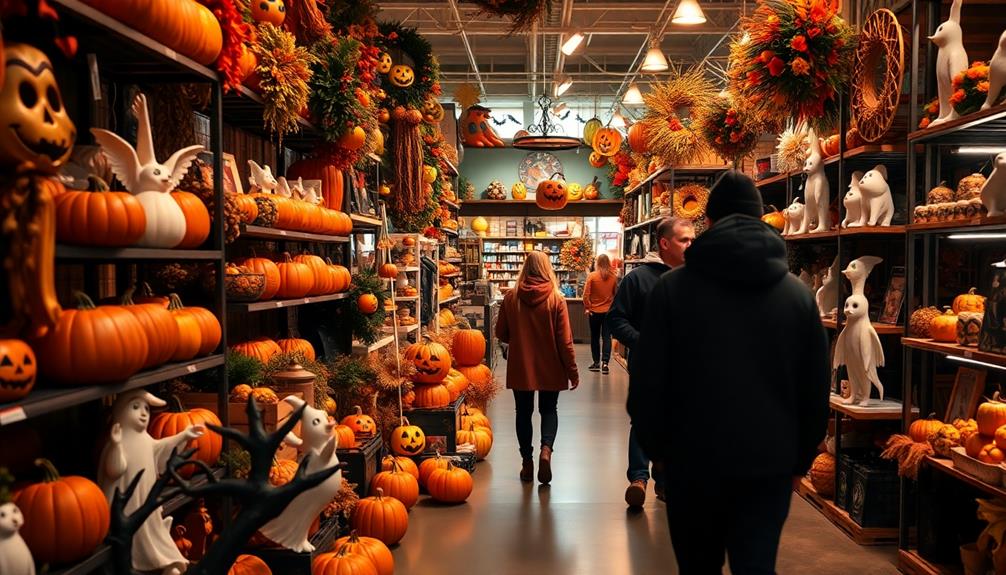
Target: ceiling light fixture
column 562, row 84
column 572, row 43
column 559, row 109
column 654, row 60
column 975, row 362
column 546, row 134
column 617, row 120
column 979, row 150
column 688, row 13
column 633, row 97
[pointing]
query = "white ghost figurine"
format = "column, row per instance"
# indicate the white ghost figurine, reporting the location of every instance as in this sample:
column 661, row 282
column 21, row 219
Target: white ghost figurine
column 283, row 189
column 794, row 216
column 878, row 205
column 808, row 279
column 15, row 558
column 130, row 450
column 950, row 60
column 994, row 189
column 853, row 202
column 816, row 191
column 858, row 349
column 148, row 180
column 261, row 179
column 291, row 528
column 858, row 270
column 997, row 74
column 827, row 295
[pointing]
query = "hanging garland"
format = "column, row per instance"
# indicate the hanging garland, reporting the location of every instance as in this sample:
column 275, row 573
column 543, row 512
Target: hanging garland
column 576, row 254
column 236, row 34
column 671, row 110
column 284, row 70
column 793, row 61
column 731, row 131
column 619, row 167
column 366, row 327
column 522, row 13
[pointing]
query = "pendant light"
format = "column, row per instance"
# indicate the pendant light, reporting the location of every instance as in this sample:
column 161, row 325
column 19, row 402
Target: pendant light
column 562, row 84
column 688, row 13
column 572, row 43
column 654, row 60
column 617, row 120
column 633, row 97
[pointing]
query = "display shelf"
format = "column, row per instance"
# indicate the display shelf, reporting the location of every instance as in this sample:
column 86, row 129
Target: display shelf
column 67, row 252
column 281, row 303
column 873, row 231
column 526, row 208
column 401, row 328
column 953, row 349
column 840, row 518
column 644, row 223
column 45, row 400
column 449, row 232
column 365, row 221
column 830, row 234
column 406, row 298
column 454, row 205
column 408, row 269
column 514, row 253
column 453, row 275
column 985, row 127
column 451, row 299
column 946, row 466
column 962, row 226
column 360, row 348
column 454, row 260
column 878, row 410
column 525, row 238
column 867, row 154
column 911, row 563
column 243, row 108
column 774, row 180
column 651, row 178
column 264, row 233
column 880, row 328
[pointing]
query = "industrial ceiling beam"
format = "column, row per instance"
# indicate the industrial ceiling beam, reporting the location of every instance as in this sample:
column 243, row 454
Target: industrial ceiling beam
column 468, row 46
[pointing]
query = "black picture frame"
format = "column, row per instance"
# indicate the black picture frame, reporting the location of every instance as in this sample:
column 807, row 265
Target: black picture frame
column 993, row 334
column 894, row 297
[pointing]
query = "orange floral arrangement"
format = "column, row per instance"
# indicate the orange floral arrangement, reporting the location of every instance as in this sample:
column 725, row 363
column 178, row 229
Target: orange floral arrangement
column 971, row 87
column 576, row 254
column 929, row 113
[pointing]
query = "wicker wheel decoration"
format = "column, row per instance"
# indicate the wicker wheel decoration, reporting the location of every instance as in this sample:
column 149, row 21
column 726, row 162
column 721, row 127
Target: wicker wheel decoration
column 690, row 201
column 879, row 75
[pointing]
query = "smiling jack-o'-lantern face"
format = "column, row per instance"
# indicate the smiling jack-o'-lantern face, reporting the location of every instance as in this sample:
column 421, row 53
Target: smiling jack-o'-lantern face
column 551, row 194
column 17, row 369
column 607, row 141
column 432, row 361
column 402, row 75
column 361, row 423
column 34, row 125
column 384, row 63
column 408, row 439
column 432, row 111
column 271, row 11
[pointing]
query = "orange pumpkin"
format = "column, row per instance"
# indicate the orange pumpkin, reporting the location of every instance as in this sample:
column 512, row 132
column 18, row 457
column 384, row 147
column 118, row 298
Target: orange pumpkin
column 407, row 439
column 607, row 141
column 249, row 565
column 324, row 283
column 168, row 423
column 342, row 562
column 361, row 423
column 775, row 219
column 397, row 483
column 404, row 462
column 296, row 279
column 381, row 517
column 431, row 360
column 470, row 417
column 430, row 396
column 921, row 429
column 282, row 472
column 207, row 324
column 456, row 384
column 822, row 474
column 248, row 207
column 367, row 303
column 102, row 218
column 262, row 349
column 342, row 276
column 477, row 436
column 969, row 302
column 160, row 327
column 346, row 436
column 944, row 327
column 388, row 271
column 296, row 345
column 449, row 485
column 18, row 369
column 597, row 160
column 476, row 375
column 991, row 454
column 637, row 138
column 429, row 465
column 269, row 269
column 976, row 443
column 468, row 346
column 197, row 219
column 991, row 415
column 271, row 11
column 551, row 194
column 377, row 552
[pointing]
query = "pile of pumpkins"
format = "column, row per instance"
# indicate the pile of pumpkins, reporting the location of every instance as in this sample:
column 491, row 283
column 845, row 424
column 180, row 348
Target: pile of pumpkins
column 554, row 193
column 264, row 349
column 292, row 277
column 960, row 323
column 944, row 204
column 983, row 438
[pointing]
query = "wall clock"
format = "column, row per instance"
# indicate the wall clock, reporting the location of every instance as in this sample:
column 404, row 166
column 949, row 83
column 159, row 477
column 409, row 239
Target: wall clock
column 537, row 167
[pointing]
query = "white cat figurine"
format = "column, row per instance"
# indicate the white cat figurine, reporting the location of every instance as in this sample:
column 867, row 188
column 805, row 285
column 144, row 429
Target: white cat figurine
column 15, row 558
column 291, row 528
column 261, row 179
column 950, row 60
column 994, row 190
column 827, row 295
column 795, row 215
column 817, row 193
column 997, row 74
column 858, row 349
column 853, row 202
column 878, row 205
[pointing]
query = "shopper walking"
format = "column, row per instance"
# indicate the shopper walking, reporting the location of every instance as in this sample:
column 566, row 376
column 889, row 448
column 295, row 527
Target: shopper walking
column 625, row 319
column 598, row 293
column 733, row 387
column 534, row 321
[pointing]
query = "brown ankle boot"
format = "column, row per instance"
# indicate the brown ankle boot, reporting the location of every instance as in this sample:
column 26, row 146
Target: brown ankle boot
column 527, row 470
column 545, row 465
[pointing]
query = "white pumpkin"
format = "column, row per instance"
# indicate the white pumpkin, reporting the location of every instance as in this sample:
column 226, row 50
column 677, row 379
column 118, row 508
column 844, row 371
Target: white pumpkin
column 165, row 220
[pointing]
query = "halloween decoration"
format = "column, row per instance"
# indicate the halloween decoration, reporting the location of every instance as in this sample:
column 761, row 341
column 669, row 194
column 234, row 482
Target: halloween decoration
column 993, row 192
column 268, row 11
column 477, row 436
column 858, row 348
column 477, row 131
column 727, row 128
column 671, row 108
column 99, row 218
column 944, row 327
column 397, row 483
column 360, row 423
column 407, row 439
column 249, row 565
column 689, row 201
column 858, row 270
column 997, row 74
column 827, row 294
column 817, row 195
column 878, row 75
column 15, row 558
column 969, row 301
column 283, row 73
column 969, row 327
column 774, row 218
column 342, row 562
column 878, row 205
column 373, row 549
column 380, row 517
column 401, row 75
column 171, row 423
column 853, row 203
column 552, row 194
column 950, row 60
column 18, row 369
column 822, row 474
column 450, row 484
column 431, row 360
column 607, row 141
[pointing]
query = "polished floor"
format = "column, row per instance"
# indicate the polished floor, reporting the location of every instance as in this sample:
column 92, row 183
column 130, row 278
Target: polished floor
column 580, row 525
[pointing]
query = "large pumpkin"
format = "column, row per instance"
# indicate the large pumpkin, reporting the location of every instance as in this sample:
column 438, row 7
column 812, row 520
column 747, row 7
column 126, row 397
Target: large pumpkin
column 168, row 423
column 332, row 183
column 197, row 219
column 590, row 128
column 428, row 466
column 456, row 383
column 295, row 279
column 158, row 324
column 432, row 395
column 407, row 439
column 101, row 218
column 381, row 517
column 323, row 281
column 404, row 462
column 397, row 483
column 377, row 552
column 431, row 360
column 822, row 474
column 969, row 302
column 361, row 423
column 296, row 345
column 185, row 26
column 637, row 138
column 449, row 485
column 921, row 429
column 346, row 436
column 262, row 349
column 477, row 436
column 991, row 415
column 472, row 418
column 944, row 327
column 269, row 269
column 607, row 141
column 208, row 325
column 249, row 565
column 91, row 345
column 342, row 562
column 775, row 219
column 477, row 375
column 551, row 194
column 18, row 369
column 65, row 518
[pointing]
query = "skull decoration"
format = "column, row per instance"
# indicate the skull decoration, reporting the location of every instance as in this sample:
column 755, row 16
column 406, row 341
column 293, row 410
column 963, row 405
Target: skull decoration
column 37, row 128
column 17, row 369
column 384, row 63
column 408, row 439
column 552, row 194
column 402, row 76
column 362, row 424
column 271, row 11
column 607, row 141
column 432, row 361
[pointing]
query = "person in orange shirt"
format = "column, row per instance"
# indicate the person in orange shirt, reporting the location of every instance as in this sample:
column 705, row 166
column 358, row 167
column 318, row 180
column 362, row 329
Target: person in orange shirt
column 598, row 294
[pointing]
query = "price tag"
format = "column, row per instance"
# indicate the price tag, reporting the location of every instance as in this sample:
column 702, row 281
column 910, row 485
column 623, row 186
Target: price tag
column 307, row 300
column 12, row 415
column 171, row 53
column 92, row 66
column 191, row 368
column 282, row 232
column 279, row 304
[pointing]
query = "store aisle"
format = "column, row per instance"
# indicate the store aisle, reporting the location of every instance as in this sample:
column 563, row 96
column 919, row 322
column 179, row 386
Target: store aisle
column 580, row 525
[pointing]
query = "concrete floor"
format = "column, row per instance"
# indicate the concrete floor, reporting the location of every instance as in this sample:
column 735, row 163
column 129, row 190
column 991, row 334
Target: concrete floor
column 580, row 525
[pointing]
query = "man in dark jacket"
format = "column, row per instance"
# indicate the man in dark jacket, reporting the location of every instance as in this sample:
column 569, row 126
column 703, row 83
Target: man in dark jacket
column 625, row 319
column 732, row 390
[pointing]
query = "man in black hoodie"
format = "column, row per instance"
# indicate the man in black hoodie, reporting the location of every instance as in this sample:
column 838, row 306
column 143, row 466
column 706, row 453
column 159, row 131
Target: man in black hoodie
column 732, row 390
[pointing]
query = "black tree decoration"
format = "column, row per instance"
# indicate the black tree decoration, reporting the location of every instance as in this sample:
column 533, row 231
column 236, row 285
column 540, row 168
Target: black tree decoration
column 258, row 499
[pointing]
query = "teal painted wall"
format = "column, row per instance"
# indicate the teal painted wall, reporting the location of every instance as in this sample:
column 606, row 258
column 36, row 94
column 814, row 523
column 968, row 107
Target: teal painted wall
column 482, row 165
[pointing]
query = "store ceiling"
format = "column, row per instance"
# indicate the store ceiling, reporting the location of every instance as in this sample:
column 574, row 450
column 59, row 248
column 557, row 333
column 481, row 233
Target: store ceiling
column 513, row 69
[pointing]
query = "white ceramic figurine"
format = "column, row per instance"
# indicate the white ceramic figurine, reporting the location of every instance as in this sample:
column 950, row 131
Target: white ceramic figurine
column 817, row 193
column 950, row 60
column 794, row 215
column 858, row 349
column 853, row 202
column 261, row 179
column 878, row 205
column 997, row 74
column 858, row 270
column 827, row 295
column 15, row 558
column 994, row 189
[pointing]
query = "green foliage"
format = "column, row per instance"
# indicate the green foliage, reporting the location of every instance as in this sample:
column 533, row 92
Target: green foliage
column 349, row 374
column 399, row 40
column 465, row 191
column 284, row 70
column 244, row 369
column 366, row 327
column 333, row 85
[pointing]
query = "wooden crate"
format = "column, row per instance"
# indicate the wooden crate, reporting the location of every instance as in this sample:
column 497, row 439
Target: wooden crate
column 841, row 519
column 287, row 561
column 362, row 463
column 440, row 424
column 273, row 415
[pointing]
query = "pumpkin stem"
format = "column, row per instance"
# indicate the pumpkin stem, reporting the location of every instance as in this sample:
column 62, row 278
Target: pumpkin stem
column 175, row 302
column 353, row 537
column 49, row 472
column 286, row 257
column 83, row 300
column 972, row 291
column 357, row 409
column 96, row 184
column 176, row 404
column 380, row 493
column 127, row 296
column 343, row 550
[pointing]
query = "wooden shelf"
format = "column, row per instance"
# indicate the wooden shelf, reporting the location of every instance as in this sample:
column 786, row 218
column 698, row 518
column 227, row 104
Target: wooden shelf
column 453, row 275
column 977, row 128
column 868, row 153
column 644, row 223
column 244, row 108
column 773, row 180
column 528, row 208
column 262, row 232
column 840, row 518
column 408, row 269
column 454, row 260
column 963, row 226
column 651, row 178
column 360, row 348
column 880, row 328
column 449, row 232
column 48, row 399
column 886, row 410
column 955, row 350
column 873, row 231
column 451, row 299
column 67, row 252
column 401, row 328
column 281, row 303
column 406, row 298
column 811, row 237
column 946, row 466
column 365, row 221
column 454, row 205
column 911, row 563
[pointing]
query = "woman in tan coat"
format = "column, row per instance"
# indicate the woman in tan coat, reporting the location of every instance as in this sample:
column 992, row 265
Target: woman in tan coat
column 534, row 321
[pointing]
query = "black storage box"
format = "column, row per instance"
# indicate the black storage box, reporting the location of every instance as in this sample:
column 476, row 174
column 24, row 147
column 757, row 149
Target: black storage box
column 440, row 424
column 287, row 561
column 873, row 499
column 362, row 463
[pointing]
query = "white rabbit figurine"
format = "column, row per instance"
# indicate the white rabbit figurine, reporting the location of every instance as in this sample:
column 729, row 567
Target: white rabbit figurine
column 816, row 190
column 130, row 450
column 950, row 60
column 827, row 295
column 994, row 190
column 15, row 558
column 261, row 179
column 858, row 348
column 878, row 205
column 794, row 218
column 853, row 202
column 997, row 74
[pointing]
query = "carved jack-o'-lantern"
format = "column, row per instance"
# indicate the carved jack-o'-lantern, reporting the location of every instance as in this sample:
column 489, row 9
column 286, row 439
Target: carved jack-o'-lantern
column 431, row 360
column 402, row 75
column 361, row 423
column 552, row 194
column 384, row 63
column 607, row 141
column 271, row 11
column 408, row 439
column 17, row 369
column 34, row 125
column 432, row 111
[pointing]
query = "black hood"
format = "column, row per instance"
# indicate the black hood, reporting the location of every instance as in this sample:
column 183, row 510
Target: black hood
column 739, row 250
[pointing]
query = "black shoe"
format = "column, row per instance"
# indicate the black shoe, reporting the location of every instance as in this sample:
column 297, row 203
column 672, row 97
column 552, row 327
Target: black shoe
column 594, row 367
column 604, row 369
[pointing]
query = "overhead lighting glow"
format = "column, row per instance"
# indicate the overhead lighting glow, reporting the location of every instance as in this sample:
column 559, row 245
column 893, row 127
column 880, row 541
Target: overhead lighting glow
column 559, row 109
column 689, row 13
column 572, row 43
column 979, row 150
column 975, row 362
column 976, row 237
column 654, row 60
column 633, row 97
column 562, row 84
column 617, row 120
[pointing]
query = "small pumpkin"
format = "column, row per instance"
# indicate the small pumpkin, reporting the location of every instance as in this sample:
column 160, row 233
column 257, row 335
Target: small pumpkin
column 944, row 439
column 518, row 191
column 472, row 418
column 373, row 549
column 388, row 271
column 1000, row 437
column 976, row 443
column 18, row 369
column 922, row 320
column 597, row 160
column 551, row 194
column 342, row 562
column 969, row 302
column 450, row 484
column 593, row 190
column 590, row 128
column 944, row 327
column 477, row 375
column 384, row 63
column 282, row 471
column 380, row 517
column 271, row 11
column 429, row 465
column 168, row 423
column 264, row 396
column 401, row 76
column 269, row 269
column 407, row 439
column 991, row 415
column 429, row 174
column 991, row 454
column 970, row 187
column 346, row 436
column 367, row 303
column 296, row 345
column 822, row 474
column 207, row 325
column 575, row 192
column 249, row 565
column 607, row 141
column 774, row 218
column 969, row 327
column 477, row 436
column 431, row 360
column 941, row 194
column 240, row 393
column 397, row 483
column 158, row 324
column 296, row 279
column 361, row 423
column 921, row 429
column 389, row 461
column 456, row 383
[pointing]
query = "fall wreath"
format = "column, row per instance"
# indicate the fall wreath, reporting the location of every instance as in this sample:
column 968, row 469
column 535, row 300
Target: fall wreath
column 284, row 70
column 576, row 254
column 689, row 201
column 341, row 102
column 730, row 130
column 672, row 108
column 406, row 46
